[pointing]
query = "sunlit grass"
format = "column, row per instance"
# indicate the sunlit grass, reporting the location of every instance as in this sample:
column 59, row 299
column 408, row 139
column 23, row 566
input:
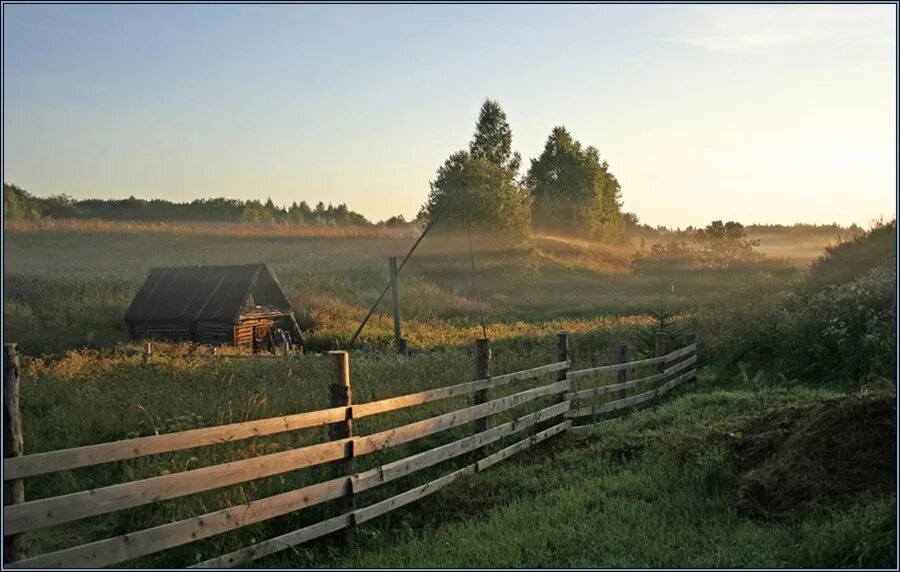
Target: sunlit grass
column 65, row 278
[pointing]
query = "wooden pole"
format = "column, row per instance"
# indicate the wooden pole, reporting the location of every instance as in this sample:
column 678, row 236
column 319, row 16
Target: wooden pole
column 341, row 396
column 562, row 354
column 146, row 351
column 660, row 350
column 688, row 340
column 13, row 443
column 621, row 376
column 482, row 371
column 395, row 294
column 405, row 260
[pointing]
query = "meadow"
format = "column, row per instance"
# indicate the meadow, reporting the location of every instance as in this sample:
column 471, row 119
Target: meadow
column 65, row 278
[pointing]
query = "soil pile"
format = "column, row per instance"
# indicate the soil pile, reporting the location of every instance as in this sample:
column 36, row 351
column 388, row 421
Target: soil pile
column 840, row 449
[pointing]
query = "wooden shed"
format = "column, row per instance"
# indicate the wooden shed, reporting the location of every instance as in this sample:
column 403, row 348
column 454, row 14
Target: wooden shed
column 211, row 304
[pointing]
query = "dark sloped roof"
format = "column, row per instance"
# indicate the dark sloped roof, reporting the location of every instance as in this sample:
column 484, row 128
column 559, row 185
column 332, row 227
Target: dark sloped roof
column 215, row 293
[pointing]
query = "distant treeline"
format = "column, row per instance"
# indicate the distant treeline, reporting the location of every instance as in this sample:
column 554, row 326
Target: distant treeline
column 799, row 231
column 19, row 204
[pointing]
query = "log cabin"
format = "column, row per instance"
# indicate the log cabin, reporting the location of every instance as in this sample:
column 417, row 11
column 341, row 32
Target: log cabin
column 239, row 305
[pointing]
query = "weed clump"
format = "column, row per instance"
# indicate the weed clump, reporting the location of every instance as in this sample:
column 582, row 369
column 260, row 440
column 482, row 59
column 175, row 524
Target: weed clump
column 837, row 450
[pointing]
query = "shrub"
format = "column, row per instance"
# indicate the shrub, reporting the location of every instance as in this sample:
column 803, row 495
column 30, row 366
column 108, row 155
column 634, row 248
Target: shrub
column 837, row 326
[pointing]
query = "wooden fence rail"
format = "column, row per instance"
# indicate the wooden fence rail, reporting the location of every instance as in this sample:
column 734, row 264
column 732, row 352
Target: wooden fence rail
column 343, row 448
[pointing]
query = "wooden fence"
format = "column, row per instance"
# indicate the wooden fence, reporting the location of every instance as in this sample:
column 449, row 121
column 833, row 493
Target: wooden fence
column 567, row 404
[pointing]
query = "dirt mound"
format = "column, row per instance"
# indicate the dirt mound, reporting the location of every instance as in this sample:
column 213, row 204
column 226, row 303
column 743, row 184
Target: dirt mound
column 840, row 449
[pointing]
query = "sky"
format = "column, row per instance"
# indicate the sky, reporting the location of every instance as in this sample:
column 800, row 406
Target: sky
column 756, row 113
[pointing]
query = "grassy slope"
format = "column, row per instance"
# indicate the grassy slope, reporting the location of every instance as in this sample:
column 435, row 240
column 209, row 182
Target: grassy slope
column 653, row 490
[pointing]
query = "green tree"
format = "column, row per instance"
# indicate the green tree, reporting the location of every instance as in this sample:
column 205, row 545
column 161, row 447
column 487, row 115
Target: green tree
column 483, row 182
column 19, row 204
column 255, row 211
column 493, row 137
column 610, row 224
column 720, row 245
column 573, row 191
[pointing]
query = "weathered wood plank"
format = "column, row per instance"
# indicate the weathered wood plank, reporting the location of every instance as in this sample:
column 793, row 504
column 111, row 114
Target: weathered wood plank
column 686, row 350
column 53, row 461
column 412, row 431
column 631, row 365
column 65, row 508
column 595, row 391
column 75, row 506
column 614, row 368
column 13, row 444
column 395, row 502
column 523, row 444
column 302, row 535
column 408, row 465
column 400, row 402
column 629, row 401
column 88, row 455
column 603, row 390
column 387, row 505
column 135, row 544
column 278, row 543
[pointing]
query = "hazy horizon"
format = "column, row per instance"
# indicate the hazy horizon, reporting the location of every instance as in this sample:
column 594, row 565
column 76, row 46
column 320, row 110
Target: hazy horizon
column 763, row 114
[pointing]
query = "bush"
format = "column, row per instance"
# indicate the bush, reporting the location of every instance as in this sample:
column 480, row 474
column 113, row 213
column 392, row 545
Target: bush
column 836, row 327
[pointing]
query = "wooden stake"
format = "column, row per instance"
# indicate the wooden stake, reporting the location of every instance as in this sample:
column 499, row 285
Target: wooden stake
column 562, row 354
column 146, row 351
column 688, row 340
column 13, row 444
column 482, row 371
column 341, row 396
column 395, row 293
column 621, row 376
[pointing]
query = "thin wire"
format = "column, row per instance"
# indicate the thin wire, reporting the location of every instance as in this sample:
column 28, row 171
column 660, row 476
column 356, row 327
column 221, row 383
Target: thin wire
column 475, row 282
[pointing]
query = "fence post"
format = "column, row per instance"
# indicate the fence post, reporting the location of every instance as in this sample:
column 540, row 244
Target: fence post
column 659, row 350
column 146, row 351
column 562, row 354
column 395, row 294
column 482, row 371
column 688, row 340
column 340, row 395
column 622, row 376
column 13, row 443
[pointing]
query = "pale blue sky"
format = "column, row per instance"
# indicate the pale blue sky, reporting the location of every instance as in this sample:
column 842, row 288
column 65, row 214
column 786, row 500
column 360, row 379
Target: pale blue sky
column 777, row 113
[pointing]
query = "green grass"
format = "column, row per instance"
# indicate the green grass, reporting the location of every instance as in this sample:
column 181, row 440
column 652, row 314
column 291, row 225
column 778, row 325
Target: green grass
column 624, row 494
column 61, row 281
column 651, row 490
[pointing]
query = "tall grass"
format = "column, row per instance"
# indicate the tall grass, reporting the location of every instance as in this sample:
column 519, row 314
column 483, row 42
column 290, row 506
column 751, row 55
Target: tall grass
column 654, row 490
column 64, row 278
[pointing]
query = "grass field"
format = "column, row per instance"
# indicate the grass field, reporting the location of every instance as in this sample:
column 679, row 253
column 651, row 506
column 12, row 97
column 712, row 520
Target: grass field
column 63, row 278
column 602, row 505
